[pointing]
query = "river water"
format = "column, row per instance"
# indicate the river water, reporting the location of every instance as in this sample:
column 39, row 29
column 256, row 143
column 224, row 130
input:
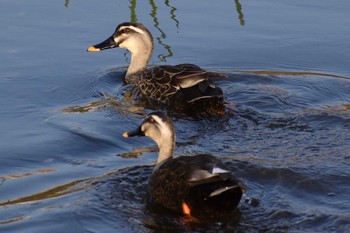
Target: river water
column 64, row 166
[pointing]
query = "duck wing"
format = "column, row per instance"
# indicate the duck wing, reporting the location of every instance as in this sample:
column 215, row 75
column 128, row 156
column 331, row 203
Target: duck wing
column 191, row 75
column 207, row 169
column 181, row 83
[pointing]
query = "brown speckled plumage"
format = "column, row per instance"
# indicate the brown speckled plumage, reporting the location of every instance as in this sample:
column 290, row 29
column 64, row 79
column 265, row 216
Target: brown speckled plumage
column 164, row 83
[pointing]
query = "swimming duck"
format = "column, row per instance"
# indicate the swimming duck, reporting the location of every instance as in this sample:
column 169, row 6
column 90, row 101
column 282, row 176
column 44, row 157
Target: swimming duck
column 193, row 185
column 185, row 87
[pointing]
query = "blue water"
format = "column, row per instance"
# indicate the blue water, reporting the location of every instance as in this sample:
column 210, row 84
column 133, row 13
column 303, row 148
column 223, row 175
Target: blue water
column 64, row 166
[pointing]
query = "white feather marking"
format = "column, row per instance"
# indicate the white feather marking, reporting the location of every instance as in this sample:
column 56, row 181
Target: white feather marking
column 158, row 119
column 190, row 82
column 221, row 190
column 217, row 170
column 164, row 128
column 199, row 98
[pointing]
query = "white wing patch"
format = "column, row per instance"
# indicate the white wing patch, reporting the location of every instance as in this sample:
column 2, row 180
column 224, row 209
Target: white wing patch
column 217, row 170
column 189, row 82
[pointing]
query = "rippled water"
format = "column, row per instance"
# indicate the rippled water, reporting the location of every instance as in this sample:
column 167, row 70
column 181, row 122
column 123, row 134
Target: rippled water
column 64, row 166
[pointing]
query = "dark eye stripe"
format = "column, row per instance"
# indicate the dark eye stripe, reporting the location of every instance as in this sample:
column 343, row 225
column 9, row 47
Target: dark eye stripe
column 124, row 31
column 127, row 30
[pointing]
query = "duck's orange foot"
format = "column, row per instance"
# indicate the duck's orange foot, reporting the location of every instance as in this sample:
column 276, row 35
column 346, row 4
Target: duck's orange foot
column 186, row 209
column 187, row 218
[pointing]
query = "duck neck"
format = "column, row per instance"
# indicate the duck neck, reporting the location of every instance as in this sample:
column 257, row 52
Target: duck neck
column 166, row 148
column 138, row 63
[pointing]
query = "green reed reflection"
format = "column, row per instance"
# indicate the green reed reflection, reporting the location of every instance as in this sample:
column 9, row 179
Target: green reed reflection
column 133, row 17
column 240, row 12
column 162, row 36
column 160, row 39
column 172, row 15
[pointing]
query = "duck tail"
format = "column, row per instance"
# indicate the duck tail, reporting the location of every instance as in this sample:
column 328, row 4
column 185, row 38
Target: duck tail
column 215, row 198
column 216, row 75
column 225, row 198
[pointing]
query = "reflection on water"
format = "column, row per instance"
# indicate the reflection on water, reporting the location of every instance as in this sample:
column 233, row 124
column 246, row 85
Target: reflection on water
column 240, row 12
column 22, row 175
column 287, row 73
column 160, row 39
column 172, row 13
column 57, row 191
column 127, row 105
column 162, row 36
column 132, row 7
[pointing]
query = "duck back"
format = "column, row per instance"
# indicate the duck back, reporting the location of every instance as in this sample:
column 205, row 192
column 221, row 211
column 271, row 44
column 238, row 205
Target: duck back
column 184, row 87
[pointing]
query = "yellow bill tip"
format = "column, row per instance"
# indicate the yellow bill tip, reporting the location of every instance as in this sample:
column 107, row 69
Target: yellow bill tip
column 125, row 135
column 93, row 49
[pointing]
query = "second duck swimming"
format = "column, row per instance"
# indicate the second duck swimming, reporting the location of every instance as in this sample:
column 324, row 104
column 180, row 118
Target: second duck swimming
column 183, row 88
column 199, row 185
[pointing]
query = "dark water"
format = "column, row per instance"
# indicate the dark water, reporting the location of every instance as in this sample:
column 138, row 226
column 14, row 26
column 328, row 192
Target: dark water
column 64, row 166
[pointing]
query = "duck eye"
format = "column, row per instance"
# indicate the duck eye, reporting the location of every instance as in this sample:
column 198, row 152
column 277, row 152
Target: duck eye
column 151, row 120
column 126, row 30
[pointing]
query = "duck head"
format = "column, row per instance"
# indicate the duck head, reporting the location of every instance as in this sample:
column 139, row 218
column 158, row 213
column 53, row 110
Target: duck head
column 160, row 128
column 133, row 36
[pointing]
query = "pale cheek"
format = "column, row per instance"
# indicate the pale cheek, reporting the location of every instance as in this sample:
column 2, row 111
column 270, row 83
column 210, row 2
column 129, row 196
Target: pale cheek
column 152, row 134
column 131, row 45
column 121, row 45
column 116, row 40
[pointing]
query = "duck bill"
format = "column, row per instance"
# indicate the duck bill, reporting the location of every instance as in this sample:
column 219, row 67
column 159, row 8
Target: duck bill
column 133, row 133
column 107, row 44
